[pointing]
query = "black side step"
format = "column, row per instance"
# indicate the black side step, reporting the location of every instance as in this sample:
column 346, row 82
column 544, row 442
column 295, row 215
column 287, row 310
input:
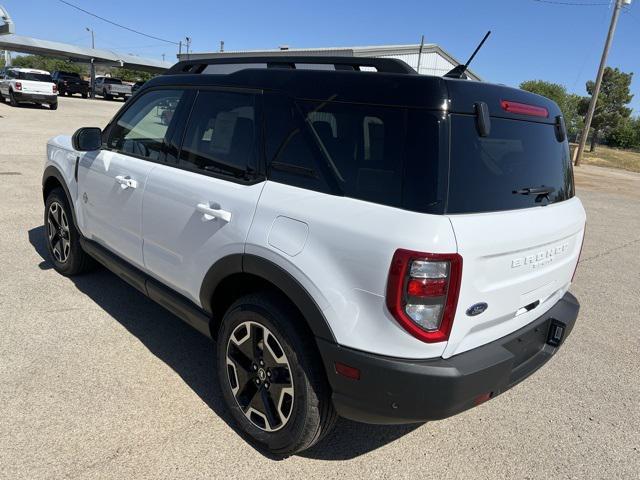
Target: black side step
column 176, row 303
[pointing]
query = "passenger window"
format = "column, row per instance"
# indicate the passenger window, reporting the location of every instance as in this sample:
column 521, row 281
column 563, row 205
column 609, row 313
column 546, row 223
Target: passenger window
column 221, row 134
column 291, row 155
column 364, row 147
column 142, row 129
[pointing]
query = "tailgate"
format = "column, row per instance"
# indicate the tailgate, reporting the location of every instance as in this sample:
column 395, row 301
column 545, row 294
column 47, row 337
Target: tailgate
column 42, row 88
column 518, row 262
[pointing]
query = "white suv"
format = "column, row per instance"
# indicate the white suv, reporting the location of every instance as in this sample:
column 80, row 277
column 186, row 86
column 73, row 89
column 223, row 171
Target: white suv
column 384, row 246
column 20, row 85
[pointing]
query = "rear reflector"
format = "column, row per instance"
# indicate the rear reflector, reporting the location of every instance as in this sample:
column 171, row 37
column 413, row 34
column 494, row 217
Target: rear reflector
column 347, row 371
column 524, row 109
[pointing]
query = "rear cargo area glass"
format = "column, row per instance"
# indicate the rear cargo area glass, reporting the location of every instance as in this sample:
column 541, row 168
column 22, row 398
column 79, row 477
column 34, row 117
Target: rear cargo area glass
column 485, row 171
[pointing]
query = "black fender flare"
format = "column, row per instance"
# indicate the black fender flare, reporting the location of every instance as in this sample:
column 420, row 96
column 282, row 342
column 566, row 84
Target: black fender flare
column 52, row 172
column 272, row 273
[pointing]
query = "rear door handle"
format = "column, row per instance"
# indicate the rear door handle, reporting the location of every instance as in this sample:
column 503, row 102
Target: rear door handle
column 126, row 182
column 211, row 213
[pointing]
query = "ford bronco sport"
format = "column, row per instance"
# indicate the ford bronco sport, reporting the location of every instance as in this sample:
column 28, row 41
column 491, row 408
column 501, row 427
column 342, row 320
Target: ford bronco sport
column 359, row 240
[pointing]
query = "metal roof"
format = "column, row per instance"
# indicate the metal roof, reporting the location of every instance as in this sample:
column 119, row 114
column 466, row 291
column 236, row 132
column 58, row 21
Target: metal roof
column 19, row 43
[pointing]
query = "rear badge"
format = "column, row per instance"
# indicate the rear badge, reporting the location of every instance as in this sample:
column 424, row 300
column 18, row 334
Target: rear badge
column 476, row 309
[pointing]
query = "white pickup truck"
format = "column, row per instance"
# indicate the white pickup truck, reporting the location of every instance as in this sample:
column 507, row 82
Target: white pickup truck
column 110, row 88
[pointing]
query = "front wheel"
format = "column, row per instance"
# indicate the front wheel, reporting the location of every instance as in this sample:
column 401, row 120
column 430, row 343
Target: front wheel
column 62, row 237
column 271, row 375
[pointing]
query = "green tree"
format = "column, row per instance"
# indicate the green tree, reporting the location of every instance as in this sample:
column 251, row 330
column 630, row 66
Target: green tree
column 611, row 107
column 568, row 103
column 49, row 64
column 130, row 75
column 626, row 134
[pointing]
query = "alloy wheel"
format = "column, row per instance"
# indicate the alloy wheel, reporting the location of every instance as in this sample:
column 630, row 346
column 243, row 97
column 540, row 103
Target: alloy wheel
column 58, row 232
column 260, row 376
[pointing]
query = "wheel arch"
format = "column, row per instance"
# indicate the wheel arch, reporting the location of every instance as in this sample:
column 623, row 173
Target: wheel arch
column 240, row 274
column 52, row 178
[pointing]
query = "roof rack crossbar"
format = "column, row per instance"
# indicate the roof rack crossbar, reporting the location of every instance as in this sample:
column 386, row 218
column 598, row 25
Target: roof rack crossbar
column 384, row 65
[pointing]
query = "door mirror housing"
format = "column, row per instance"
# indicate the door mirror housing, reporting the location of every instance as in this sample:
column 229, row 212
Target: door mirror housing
column 87, row 139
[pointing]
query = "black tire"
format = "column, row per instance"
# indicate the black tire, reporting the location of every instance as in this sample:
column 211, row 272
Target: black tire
column 106, row 95
column 53, row 106
column 74, row 260
column 12, row 99
column 84, row 95
column 310, row 411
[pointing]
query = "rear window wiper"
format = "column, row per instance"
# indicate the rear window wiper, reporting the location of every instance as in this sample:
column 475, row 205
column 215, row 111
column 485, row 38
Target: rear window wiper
column 535, row 191
column 539, row 192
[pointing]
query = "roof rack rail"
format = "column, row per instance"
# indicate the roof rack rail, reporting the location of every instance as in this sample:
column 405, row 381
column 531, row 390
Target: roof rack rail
column 383, row 65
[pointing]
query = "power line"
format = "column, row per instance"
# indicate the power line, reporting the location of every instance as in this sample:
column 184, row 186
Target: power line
column 572, row 4
column 117, row 24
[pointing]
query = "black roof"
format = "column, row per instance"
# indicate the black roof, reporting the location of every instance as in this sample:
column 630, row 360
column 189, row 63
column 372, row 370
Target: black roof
column 393, row 84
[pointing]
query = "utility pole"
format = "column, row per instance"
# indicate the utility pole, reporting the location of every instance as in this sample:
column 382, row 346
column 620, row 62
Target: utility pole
column 93, row 67
column 596, row 89
column 163, row 57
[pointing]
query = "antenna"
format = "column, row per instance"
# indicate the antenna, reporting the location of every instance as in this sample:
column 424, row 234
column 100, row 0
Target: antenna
column 458, row 71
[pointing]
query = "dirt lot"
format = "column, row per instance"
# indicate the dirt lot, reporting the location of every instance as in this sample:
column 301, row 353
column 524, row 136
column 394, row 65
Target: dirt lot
column 613, row 157
column 96, row 381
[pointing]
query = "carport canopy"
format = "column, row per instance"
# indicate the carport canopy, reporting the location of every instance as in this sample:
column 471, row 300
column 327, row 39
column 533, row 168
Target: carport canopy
column 21, row 44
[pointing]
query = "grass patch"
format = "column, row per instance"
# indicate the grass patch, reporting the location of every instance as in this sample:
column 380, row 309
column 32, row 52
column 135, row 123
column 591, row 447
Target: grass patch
column 612, row 157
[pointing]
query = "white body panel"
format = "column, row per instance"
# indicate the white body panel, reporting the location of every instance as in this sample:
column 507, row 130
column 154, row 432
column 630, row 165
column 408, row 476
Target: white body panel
column 111, row 209
column 345, row 260
column 181, row 242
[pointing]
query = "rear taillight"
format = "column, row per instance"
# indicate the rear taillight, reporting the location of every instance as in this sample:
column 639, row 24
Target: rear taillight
column 422, row 292
column 524, row 109
column 18, row 85
column 55, row 89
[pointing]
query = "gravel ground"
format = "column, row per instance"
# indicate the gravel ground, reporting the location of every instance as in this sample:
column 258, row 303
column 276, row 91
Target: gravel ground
column 96, row 381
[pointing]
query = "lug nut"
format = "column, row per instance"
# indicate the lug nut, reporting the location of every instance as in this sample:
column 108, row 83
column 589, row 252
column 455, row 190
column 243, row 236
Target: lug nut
column 254, row 366
column 266, row 385
column 261, row 363
column 268, row 373
column 257, row 381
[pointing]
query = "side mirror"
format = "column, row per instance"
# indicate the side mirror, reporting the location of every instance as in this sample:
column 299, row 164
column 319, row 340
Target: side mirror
column 87, row 139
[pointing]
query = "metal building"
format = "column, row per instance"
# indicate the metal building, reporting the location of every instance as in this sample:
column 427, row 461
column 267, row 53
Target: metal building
column 428, row 59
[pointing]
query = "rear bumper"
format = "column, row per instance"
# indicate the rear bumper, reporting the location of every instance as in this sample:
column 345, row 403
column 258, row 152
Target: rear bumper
column 35, row 97
column 394, row 390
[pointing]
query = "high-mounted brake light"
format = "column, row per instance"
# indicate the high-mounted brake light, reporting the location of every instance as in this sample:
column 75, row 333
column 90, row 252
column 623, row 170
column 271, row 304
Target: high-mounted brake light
column 422, row 292
column 524, row 109
column 18, row 85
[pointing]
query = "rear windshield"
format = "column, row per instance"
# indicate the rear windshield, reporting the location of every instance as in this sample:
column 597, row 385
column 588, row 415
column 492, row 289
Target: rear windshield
column 35, row 77
column 492, row 173
column 69, row 75
column 113, row 81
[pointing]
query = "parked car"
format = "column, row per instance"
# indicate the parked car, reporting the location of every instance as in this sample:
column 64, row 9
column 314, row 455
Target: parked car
column 110, row 88
column 70, row 82
column 28, row 85
column 388, row 247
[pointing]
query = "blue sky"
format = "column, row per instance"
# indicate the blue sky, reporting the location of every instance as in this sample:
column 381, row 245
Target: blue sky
column 530, row 39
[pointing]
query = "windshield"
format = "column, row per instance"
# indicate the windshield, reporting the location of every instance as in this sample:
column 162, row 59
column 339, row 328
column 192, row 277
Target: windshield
column 34, row 77
column 113, row 81
column 518, row 165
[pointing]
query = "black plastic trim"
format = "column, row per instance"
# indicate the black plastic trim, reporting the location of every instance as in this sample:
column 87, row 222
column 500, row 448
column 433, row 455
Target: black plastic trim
column 53, row 172
column 392, row 390
column 176, row 303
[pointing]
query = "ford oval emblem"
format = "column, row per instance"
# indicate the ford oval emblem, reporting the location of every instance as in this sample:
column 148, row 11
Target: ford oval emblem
column 476, row 309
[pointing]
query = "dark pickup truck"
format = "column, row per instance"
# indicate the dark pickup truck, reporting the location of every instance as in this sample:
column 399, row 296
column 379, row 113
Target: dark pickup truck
column 69, row 83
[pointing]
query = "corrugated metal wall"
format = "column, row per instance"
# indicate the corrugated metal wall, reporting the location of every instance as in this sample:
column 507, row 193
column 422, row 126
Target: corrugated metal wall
column 431, row 64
